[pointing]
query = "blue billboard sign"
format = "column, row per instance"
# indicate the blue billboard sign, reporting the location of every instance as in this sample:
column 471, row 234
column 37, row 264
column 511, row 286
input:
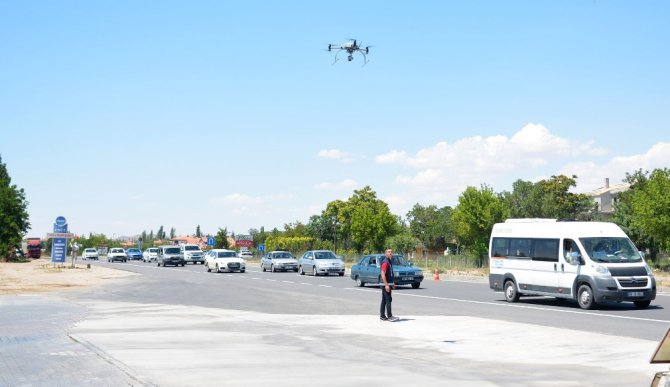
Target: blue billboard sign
column 58, row 250
column 59, row 245
column 211, row 241
column 261, row 248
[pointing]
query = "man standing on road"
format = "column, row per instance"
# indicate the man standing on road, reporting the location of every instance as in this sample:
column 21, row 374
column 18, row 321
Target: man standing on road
column 387, row 282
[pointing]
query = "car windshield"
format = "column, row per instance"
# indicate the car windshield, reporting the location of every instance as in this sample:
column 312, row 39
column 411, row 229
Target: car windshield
column 324, row 255
column 282, row 255
column 117, row 250
column 90, row 250
column 399, row 260
column 172, row 250
column 611, row 249
column 191, row 248
column 225, row 254
column 153, row 250
column 134, row 251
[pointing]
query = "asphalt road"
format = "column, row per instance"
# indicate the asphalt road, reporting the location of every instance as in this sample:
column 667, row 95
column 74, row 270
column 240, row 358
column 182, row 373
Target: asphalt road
column 288, row 292
column 180, row 326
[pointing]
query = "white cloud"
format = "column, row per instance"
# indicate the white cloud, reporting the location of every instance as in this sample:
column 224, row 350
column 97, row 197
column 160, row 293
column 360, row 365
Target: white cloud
column 443, row 171
column 336, row 154
column 344, row 184
column 237, row 199
column 591, row 175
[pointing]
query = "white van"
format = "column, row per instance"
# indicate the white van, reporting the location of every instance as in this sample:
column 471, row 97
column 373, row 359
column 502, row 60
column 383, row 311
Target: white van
column 589, row 262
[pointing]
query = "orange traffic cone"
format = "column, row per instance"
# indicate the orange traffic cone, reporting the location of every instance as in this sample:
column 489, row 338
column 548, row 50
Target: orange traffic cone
column 437, row 275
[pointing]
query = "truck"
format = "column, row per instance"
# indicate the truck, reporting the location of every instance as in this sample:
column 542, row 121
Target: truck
column 34, row 247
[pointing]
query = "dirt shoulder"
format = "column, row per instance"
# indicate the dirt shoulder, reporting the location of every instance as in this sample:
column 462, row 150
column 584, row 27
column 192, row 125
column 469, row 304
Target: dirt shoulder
column 40, row 276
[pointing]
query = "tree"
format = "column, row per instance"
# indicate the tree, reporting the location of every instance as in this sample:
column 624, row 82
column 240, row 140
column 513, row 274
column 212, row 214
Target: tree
column 403, row 242
column 198, row 234
column 173, row 233
column 549, row 198
column 221, row 239
column 160, row 234
column 623, row 213
column 474, row 216
column 13, row 214
column 651, row 207
column 431, row 225
column 371, row 221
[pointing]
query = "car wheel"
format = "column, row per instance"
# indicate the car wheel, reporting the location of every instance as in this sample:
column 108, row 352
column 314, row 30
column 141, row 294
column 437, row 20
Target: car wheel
column 359, row 282
column 301, row 271
column 314, row 271
column 263, row 268
column 340, row 274
column 641, row 304
column 585, row 297
column 217, row 268
column 242, row 271
column 207, row 266
column 511, row 295
column 416, row 285
column 159, row 264
column 272, row 268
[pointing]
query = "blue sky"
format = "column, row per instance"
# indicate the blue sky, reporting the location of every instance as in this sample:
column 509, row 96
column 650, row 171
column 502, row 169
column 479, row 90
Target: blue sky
column 124, row 116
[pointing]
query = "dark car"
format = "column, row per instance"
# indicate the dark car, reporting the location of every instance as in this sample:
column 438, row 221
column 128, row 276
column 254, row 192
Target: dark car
column 367, row 271
column 134, row 254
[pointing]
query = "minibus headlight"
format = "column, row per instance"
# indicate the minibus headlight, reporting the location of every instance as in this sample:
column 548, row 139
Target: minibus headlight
column 648, row 269
column 601, row 269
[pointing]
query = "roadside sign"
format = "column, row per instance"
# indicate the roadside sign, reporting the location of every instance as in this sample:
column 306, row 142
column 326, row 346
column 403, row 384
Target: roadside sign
column 58, row 250
column 211, row 241
column 261, row 248
column 60, row 237
column 66, row 235
column 244, row 243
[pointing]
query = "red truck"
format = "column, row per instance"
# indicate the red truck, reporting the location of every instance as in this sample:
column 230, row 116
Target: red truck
column 34, row 247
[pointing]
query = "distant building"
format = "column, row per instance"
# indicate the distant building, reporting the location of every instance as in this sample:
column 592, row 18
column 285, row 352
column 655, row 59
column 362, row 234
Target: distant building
column 604, row 197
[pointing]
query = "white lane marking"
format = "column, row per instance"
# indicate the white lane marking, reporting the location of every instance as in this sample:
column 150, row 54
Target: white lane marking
column 305, row 283
column 271, row 280
column 518, row 306
column 255, row 278
column 325, row 286
column 288, row 282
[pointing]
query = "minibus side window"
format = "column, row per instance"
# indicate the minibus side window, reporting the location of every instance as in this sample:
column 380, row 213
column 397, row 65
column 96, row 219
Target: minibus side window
column 500, row 247
column 520, row 247
column 545, row 250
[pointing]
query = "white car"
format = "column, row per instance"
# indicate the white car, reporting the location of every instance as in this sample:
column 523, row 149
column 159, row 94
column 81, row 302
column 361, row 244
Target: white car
column 150, row 254
column 279, row 261
column 117, row 254
column 90, row 253
column 246, row 254
column 224, row 260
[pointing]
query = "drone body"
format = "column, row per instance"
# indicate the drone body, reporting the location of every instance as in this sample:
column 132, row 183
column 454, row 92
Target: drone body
column 351, row 46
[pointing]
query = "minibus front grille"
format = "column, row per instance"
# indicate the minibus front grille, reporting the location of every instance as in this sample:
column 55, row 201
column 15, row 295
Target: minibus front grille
column 632, row 282
column 628, row 271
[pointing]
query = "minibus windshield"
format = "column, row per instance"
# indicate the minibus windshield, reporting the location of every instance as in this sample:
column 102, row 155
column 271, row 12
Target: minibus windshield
column 611, row 249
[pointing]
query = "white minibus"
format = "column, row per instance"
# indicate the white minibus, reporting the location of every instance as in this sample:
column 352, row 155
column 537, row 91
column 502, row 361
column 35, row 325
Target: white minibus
column 589, row 262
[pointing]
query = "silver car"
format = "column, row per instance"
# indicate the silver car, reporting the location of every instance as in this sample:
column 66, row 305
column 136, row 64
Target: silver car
column 318, row 262
column 279, row 261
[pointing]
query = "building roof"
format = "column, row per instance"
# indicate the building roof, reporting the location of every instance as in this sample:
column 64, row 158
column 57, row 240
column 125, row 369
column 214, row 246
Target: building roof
column 612, row 189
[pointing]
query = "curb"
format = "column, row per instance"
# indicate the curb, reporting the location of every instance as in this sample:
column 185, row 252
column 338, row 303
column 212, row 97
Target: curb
column 109, row 359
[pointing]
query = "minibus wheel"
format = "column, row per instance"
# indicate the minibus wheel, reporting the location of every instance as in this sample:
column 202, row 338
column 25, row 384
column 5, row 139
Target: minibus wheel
column 585, row 297
column 511, row 295
column 641, row 304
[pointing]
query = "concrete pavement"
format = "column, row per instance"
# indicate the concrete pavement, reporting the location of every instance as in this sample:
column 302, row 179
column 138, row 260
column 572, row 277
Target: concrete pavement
column 173, row 345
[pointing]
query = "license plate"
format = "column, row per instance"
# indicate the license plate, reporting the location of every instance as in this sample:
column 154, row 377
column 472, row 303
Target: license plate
column 408, row 278
column 635, row 294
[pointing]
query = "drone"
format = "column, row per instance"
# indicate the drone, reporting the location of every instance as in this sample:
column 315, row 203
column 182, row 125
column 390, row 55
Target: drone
column 351, row 46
